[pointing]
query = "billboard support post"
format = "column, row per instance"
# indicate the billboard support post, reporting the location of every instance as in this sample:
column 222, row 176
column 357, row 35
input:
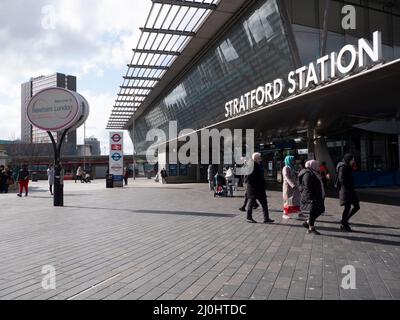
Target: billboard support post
column 58, row 174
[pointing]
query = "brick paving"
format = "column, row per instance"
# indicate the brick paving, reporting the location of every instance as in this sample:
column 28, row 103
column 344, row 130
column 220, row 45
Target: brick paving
column 149, row 242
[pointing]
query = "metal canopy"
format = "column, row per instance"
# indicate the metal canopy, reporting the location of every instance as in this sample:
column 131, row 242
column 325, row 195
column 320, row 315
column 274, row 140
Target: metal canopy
column 166, row 31
column 137, row 66
column 170, row 26
column 194, row 4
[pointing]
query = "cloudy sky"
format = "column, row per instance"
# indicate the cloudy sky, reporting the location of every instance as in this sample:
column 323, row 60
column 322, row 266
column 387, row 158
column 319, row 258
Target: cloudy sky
column 91, row 39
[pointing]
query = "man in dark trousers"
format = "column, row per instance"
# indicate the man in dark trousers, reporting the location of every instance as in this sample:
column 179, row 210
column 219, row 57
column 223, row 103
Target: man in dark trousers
column 348, row 196
column 256, row 191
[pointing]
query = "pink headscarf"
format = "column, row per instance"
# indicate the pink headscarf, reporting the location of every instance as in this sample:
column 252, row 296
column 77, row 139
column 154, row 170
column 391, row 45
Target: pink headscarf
column 314, row 166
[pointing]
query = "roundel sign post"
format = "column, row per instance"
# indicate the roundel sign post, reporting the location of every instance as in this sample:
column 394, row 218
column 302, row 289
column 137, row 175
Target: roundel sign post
column 57, row 110
column 117, row 158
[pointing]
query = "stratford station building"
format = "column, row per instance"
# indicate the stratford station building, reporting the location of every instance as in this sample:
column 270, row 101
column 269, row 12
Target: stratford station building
column 289, row 69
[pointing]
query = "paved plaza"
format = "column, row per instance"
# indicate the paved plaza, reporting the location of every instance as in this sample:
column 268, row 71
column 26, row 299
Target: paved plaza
column 170, row 242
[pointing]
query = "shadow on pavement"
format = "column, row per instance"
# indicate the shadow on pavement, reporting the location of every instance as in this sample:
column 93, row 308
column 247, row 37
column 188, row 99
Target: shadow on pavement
column 362, row 225
column 348, row 235
column 361, row 232
column 179, row 213
column 372, row 240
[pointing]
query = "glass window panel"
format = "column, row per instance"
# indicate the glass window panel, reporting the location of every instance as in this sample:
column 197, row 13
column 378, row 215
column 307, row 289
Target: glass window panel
column 396, row 31
column 308, row 43
column 334, row 16
column 382, row 22
column 304, row 12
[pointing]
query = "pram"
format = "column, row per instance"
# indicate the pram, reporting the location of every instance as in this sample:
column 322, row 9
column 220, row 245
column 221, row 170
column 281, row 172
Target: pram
column 87, row 178
column 220, row 189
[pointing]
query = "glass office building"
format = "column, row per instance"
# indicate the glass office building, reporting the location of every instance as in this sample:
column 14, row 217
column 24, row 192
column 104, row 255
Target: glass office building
column 267, row 39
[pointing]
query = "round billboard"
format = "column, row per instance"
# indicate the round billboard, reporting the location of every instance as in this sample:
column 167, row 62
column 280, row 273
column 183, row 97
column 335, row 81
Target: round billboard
column 55, row 109
column 85, row 111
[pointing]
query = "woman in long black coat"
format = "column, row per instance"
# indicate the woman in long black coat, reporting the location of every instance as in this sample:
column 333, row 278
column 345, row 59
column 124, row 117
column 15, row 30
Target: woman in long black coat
column 312, row 194
column 347, row 193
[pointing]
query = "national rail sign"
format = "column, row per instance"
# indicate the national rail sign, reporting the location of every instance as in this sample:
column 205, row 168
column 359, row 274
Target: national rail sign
column 116, row 147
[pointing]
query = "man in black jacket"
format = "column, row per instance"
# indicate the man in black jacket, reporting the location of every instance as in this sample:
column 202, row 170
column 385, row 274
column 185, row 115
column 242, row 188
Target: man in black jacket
column 256, row 191
column 347, row 193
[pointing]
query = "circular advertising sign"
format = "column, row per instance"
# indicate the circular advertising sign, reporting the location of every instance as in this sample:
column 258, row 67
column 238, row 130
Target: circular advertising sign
column 56, row 109
column 85, row 112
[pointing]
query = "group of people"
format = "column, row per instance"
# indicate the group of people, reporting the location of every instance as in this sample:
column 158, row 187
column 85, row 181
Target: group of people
column 304, row 192
column 163, row 174
column 82, row 176
column 22, row 177
column 9, row 177
column 222, row 184
column 6, row 179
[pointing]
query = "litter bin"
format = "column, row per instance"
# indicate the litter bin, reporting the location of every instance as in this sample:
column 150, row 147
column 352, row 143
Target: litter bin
column 110, row 181
column 35, row 177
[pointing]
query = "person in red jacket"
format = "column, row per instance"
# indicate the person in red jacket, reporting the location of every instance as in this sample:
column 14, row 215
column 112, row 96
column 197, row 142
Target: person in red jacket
column 23, row 180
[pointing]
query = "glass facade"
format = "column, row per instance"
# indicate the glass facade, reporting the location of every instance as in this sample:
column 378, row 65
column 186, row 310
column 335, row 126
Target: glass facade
column 254, row 51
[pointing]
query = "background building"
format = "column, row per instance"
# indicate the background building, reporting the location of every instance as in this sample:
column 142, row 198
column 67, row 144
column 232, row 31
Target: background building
column 94, row 144
column 84, row 151
column 32, row 135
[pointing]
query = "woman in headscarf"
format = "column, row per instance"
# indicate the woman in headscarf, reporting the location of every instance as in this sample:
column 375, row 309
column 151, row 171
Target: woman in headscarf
column 210, row 177
column 312, row 194
column 291, row 192
column 347, row 193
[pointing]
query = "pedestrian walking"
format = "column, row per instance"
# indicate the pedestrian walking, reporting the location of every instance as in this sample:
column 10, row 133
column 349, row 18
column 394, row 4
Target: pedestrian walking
column 246, row 198
column 164, row 176
column 9, row 179
column 79, row 175
column 210, row 177
column 50, row 178
column 230, row 180
column 312, row 194
column 126, row 175
column 3, row 179
column 256, row 191
column 23, row 180
column 348, row 196
column 291, row 192
column 325, row 175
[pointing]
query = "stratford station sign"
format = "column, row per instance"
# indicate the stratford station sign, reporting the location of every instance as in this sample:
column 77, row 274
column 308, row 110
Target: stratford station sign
column 327, row 67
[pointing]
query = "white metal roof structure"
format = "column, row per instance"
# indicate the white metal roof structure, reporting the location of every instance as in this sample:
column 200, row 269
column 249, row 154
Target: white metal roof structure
column 170, row 26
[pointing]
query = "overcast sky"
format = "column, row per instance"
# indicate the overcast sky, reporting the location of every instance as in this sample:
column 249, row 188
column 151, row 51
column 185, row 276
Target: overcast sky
column 91, row 39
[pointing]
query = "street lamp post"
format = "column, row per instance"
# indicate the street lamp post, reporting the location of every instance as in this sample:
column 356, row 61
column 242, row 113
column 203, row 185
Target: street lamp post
column 133, row 141
column 84, row 147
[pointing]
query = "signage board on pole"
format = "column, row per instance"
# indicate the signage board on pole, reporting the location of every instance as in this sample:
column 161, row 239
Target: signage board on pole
column 116, row 167
column 57, row 110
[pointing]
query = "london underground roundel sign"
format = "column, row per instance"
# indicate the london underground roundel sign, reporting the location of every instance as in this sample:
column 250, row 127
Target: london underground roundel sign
column 116, row 138
column 56, row 109
column 116, row 157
